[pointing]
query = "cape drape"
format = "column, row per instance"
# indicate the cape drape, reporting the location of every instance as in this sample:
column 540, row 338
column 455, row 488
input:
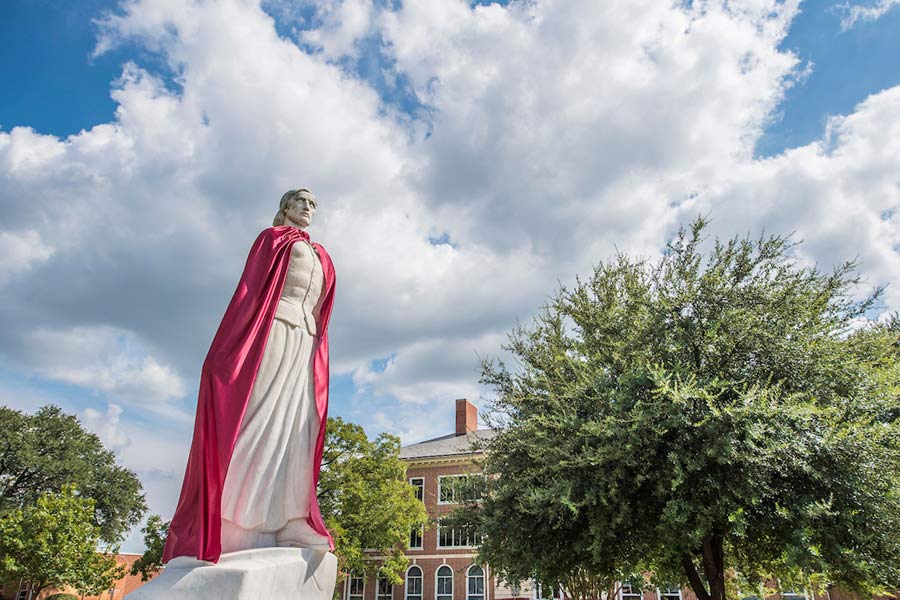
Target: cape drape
column 226, row 382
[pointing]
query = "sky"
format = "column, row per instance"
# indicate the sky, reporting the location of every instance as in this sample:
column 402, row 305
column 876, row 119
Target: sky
column 469, row 158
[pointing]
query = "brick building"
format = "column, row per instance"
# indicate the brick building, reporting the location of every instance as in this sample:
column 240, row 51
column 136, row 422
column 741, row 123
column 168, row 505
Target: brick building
column 123, row 586
column 442, row 559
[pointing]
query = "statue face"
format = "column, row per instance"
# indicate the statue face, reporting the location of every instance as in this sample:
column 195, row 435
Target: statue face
column 300, row 209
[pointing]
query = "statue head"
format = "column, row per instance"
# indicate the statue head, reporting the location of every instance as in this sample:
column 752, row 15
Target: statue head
column 296, row 208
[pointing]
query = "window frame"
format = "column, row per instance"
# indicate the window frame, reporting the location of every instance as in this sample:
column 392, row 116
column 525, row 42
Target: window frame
column 454, row 500
column 421, row 531
column 419, row 488
column 349, row 585
column 661, row 594
column 437, row 578
column 469, row 577
column 421, row 576
column 622, row 595
column 378, row 594
column 440, row 546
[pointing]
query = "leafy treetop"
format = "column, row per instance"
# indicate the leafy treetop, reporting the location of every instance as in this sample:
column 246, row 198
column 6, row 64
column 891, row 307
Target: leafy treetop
column 711, row 417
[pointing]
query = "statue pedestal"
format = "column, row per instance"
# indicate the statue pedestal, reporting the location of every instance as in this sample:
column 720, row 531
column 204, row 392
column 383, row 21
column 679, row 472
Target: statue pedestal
column 262, row 573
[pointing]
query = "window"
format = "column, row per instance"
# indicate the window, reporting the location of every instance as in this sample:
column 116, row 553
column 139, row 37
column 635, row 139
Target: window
column 629, row 591
column 355, row 587
column 414, row 583
column 669, row 593
column 415, row 538
column 475, row 583
column 456, row 537
column 384, row 591
column 443, row 583
column 541, row 591
column 792, row 595
column 453, row 489
column 419, row 484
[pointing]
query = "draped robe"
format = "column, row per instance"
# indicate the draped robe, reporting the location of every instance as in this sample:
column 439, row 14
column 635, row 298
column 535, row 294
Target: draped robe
column 226, row 382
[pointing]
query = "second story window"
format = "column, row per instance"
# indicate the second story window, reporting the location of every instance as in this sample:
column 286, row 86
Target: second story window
column 456, row 537
column 415, row 538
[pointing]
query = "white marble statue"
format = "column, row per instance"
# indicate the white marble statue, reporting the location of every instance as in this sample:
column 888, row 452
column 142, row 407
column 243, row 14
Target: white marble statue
column 265, row 501
column 248, row 518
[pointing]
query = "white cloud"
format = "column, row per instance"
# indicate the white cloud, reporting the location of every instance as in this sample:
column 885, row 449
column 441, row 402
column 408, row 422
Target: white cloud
column 19, row 251
column 551, row 133
column 107, row 360
column 869, row 11
column 107, row 425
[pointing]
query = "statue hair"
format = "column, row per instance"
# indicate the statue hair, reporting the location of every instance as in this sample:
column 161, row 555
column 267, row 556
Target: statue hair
column 279, row 216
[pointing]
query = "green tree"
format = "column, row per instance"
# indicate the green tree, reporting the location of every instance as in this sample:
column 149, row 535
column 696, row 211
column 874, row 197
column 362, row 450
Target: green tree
column 43, row 452
column 366, row 500
column 55, row 542
column 155, row 541
column 713, row 417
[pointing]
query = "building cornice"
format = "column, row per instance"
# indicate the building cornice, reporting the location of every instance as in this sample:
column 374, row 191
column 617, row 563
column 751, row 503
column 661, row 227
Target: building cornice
column 451, row 459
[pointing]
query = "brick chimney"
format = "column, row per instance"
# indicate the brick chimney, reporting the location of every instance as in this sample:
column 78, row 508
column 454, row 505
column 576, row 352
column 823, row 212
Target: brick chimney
column 466, row 417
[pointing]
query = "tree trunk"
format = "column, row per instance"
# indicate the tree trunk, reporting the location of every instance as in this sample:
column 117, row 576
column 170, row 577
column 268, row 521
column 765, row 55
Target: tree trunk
column 714, row 565
column 687, row 563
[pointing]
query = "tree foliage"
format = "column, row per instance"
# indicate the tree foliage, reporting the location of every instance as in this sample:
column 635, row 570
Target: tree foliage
column 366, row 500
column 155, row 542
column 55, row 542
column 712, row 417
column 44, row 452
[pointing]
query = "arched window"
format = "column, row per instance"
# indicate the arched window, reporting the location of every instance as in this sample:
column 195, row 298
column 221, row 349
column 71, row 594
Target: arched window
column 443, row 583
column 475, row 583
column 414, row 583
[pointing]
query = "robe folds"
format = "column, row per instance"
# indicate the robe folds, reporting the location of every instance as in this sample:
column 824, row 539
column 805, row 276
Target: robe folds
column 226, row 382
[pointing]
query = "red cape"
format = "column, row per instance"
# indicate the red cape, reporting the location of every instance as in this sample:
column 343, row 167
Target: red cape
column 225, row 385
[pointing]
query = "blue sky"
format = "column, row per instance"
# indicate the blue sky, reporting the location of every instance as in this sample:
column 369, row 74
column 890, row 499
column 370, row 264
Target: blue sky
column 61, row 89
column 468, row 159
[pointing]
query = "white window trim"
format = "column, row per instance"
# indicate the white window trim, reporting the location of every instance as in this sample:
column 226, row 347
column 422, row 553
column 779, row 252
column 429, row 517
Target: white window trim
column 406, row 581
column 421, row 545
column 621, row 594
column 439, row 546
column 452, row 580
column 457, row 476
column 659, row 594
column 795, row 595
column 422, row 479
column 484, row 580
column 347, row 586
column 538, row 592
column 377, row 588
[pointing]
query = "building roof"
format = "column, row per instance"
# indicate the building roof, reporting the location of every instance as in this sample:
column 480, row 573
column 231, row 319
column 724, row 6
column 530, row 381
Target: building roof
column 447, row 445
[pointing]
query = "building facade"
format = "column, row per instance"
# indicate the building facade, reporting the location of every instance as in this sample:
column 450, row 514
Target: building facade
column 441, row 559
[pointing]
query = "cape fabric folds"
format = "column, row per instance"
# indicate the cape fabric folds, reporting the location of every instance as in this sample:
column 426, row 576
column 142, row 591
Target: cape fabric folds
column 225, row 385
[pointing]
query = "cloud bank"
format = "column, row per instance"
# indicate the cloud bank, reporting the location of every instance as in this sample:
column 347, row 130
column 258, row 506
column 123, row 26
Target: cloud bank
column 468, row 160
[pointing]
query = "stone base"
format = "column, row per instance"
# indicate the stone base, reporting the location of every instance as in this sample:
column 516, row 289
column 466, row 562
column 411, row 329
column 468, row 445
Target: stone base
column 259, row 574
